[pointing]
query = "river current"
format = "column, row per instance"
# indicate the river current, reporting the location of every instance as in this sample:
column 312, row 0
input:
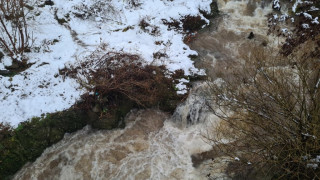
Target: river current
column 156, row 145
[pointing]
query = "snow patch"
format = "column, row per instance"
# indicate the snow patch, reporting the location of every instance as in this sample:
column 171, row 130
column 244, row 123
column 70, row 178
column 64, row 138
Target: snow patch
column 315, row 21
column 89, row 23
column 305, row 26
column 276, row 4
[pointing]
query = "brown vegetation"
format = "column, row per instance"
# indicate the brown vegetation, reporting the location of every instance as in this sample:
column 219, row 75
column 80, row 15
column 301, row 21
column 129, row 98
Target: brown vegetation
column 304, row 27
column 190, row 24
column 15, row 38
column 119, row 77
column 115, row 83
column 270, row 109
column 148, row 28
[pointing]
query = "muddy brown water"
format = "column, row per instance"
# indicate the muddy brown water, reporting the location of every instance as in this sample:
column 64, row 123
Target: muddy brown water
column 155, row 145
column 226, row 40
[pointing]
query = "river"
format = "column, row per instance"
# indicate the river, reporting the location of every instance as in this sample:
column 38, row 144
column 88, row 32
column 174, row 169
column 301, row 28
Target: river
column 156, row 145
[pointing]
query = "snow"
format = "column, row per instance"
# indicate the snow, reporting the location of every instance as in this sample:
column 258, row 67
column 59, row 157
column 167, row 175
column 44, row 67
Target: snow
column 315, row 21
column 276, row 4
column 284, row 30
column 39, row 89
column 318, row 83
column 312, row 163
column 182, row 87
column 314, row 8
column 305, row 26
column 275, row 16
column 283, row 17
column 294, row 7
column 313, row 166
column 308, row 16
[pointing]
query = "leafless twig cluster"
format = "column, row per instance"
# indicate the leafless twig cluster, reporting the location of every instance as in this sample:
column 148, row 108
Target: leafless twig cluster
column 270, row 111
column 14, row 35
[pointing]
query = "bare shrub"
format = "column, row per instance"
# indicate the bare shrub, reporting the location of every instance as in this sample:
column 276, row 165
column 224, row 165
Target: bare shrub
column 118, row 76
column 134, row 3
column 192, row 23
column 188, row 25
column 159, row 55
column 173, row 24
column 148, row 28
column 102, row 10
column 305, row 23
column 271, row 108
column 14, row 36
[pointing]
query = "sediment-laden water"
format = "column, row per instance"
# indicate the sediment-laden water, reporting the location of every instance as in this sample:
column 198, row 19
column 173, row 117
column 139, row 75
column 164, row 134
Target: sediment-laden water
column 155, row 145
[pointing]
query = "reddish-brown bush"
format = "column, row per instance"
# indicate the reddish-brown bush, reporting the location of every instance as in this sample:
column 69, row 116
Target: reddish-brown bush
column 15, row 38
column 118, row 76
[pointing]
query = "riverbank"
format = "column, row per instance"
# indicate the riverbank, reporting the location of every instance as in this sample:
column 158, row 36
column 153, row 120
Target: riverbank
column 99, row 108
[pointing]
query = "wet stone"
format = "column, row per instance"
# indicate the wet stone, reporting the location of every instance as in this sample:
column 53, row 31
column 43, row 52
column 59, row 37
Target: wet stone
column 5, row 72
column 251, row 35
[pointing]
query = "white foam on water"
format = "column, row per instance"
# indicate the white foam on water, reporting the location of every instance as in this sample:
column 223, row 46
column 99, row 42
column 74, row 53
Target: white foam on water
column 154, row 145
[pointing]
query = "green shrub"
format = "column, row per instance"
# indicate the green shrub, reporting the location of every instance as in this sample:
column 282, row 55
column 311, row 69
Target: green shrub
column 28, row 141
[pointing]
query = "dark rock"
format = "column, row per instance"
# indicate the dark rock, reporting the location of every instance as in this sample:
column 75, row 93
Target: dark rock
column 1, row 55
column 49, row 2
column 197, row 159
column 5, row 72
column 251, row 35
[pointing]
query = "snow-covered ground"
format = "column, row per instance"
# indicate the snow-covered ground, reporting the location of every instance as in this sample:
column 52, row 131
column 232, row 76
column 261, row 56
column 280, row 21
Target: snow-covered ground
column 40, row 90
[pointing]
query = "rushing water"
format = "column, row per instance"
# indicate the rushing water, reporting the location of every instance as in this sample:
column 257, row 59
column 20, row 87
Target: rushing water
column 227, row 39
column 149, row 147
column 155, row 145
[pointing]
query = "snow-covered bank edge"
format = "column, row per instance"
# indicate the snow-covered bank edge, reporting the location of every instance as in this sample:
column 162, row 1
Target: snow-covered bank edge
column 40, row 89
